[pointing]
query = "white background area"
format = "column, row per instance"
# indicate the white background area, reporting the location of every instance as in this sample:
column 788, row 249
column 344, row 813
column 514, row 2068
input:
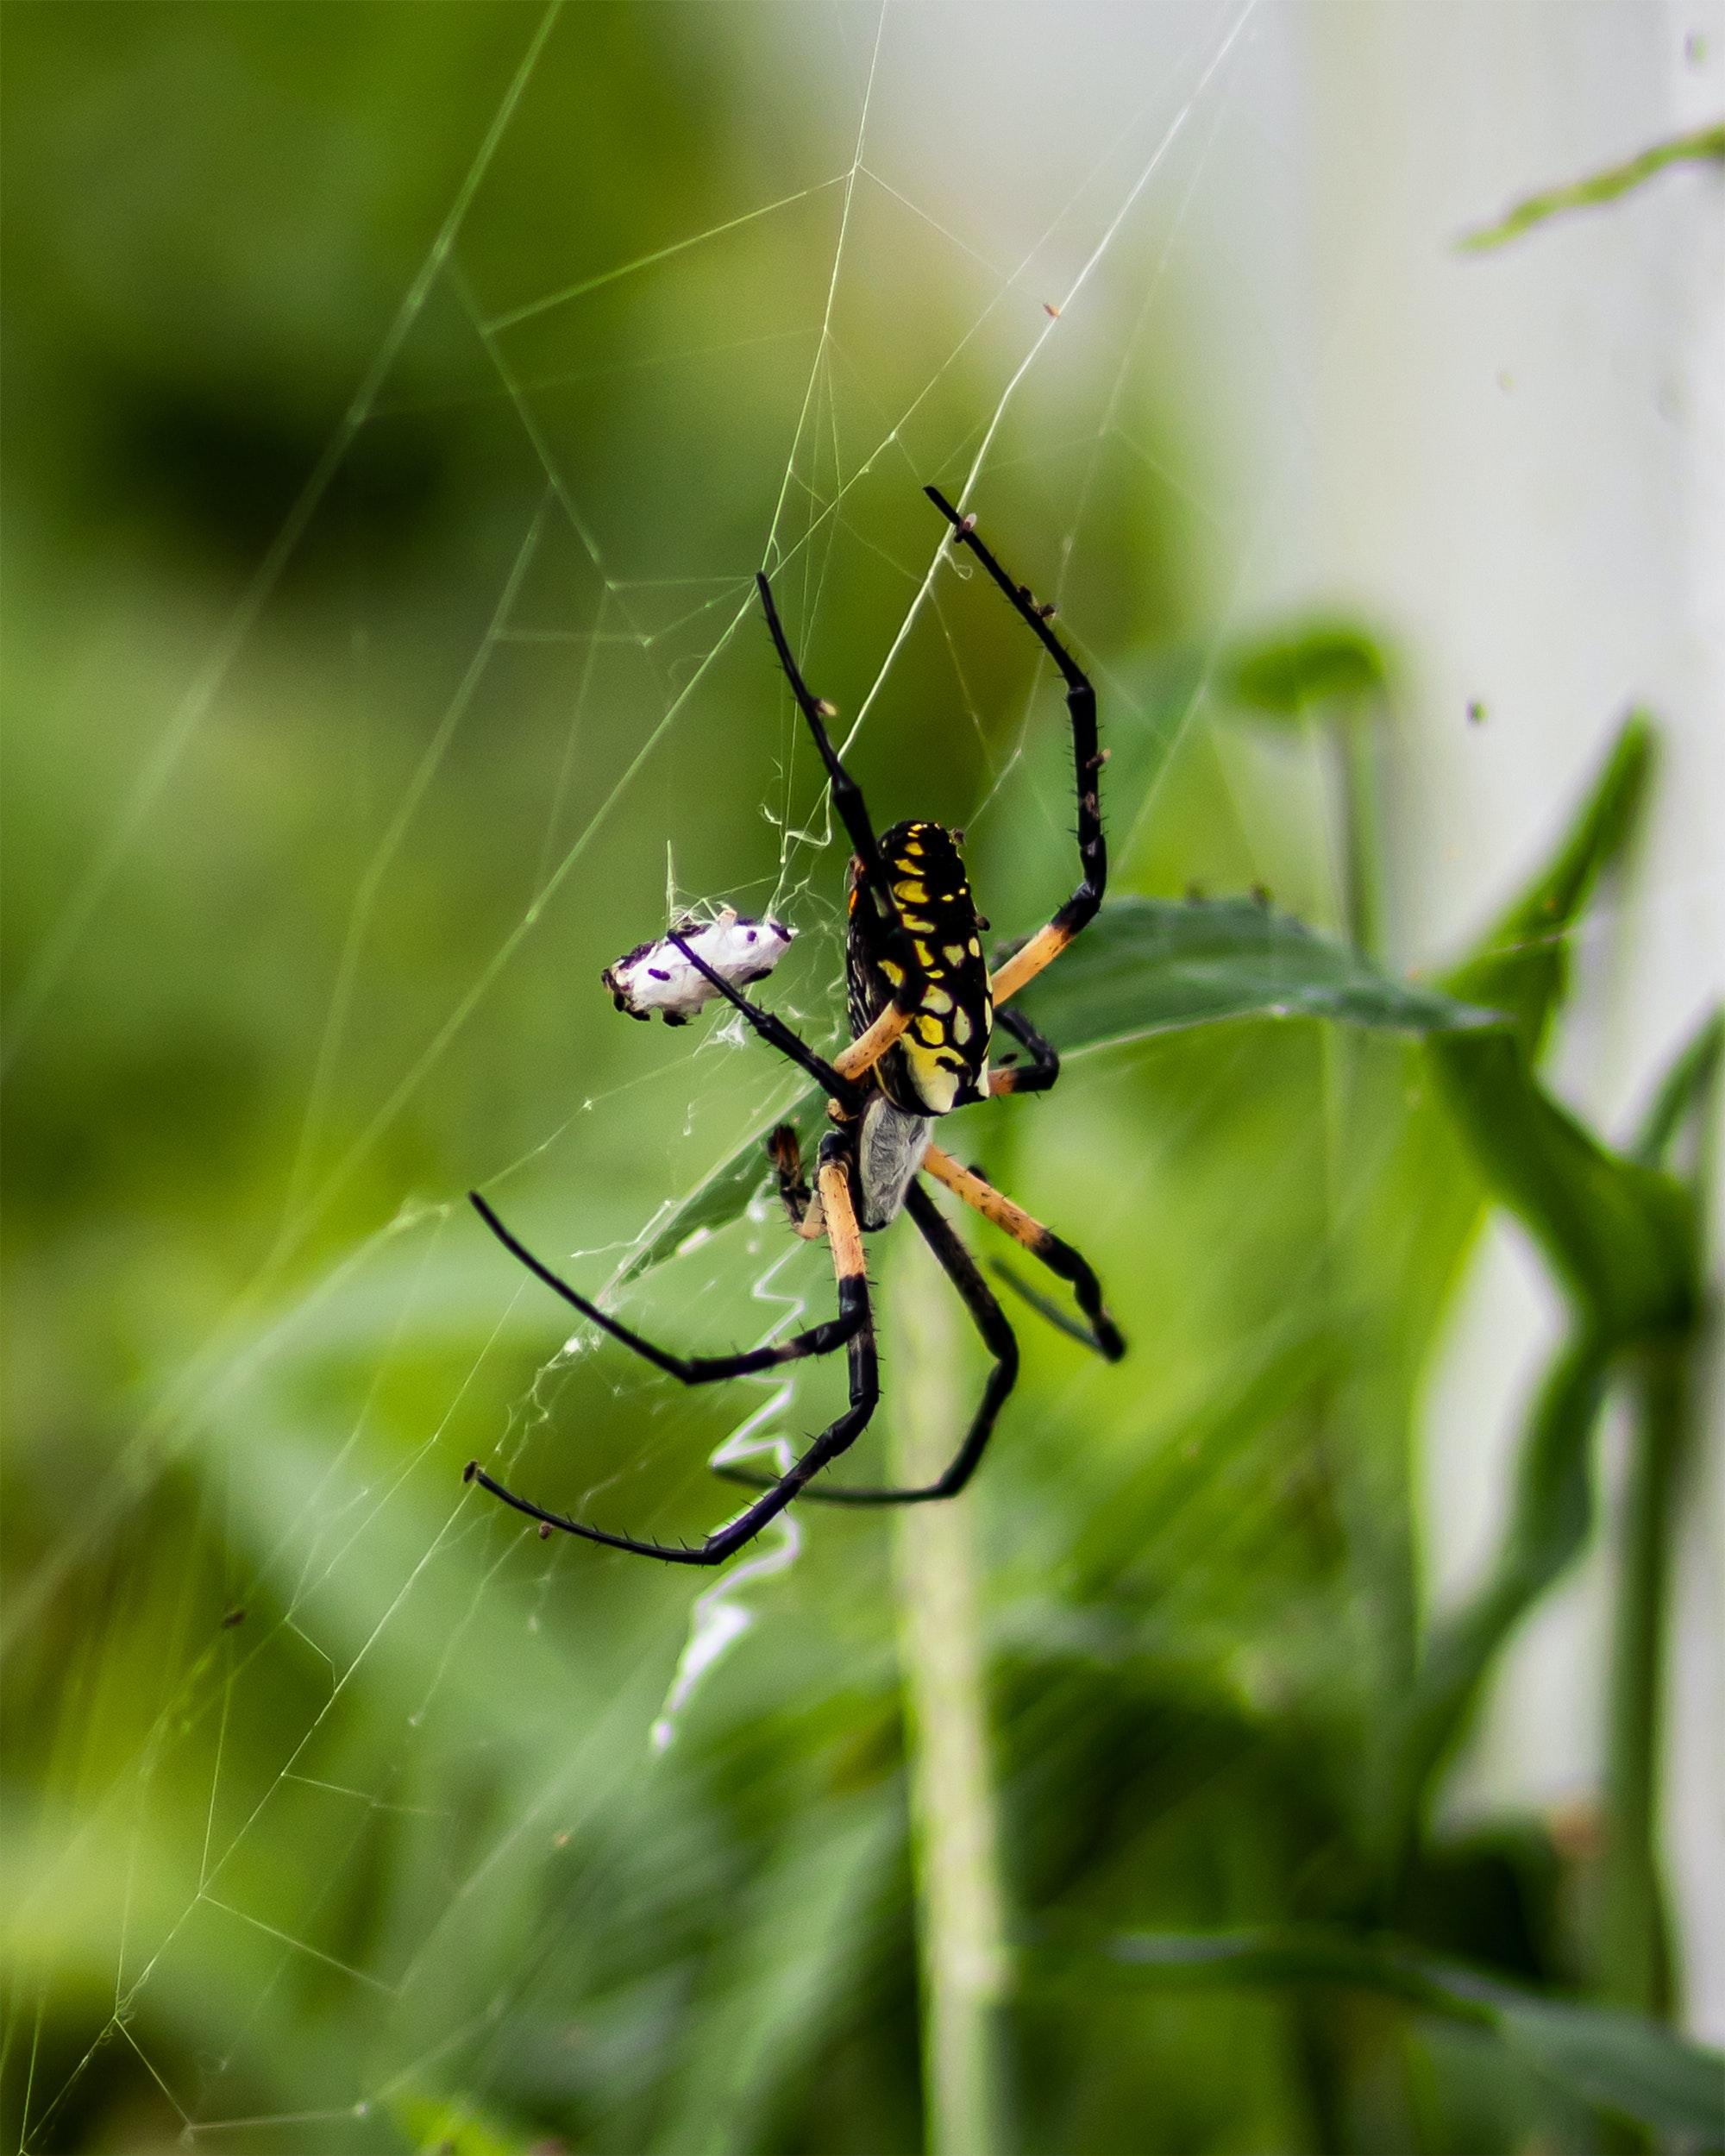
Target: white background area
column 1514, row 463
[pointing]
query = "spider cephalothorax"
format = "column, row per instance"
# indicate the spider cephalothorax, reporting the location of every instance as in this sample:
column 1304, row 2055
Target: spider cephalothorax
column 923, row 1008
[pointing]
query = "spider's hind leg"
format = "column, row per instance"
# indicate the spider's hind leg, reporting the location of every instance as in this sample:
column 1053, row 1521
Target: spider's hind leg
column 1099, row 1329
column 784, row 1150
column 816, row 1340
column 990, row 1320
column 858, row 1338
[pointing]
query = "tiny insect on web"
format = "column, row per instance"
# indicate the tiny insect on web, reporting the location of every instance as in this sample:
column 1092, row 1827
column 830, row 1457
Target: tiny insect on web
column 922, row 1006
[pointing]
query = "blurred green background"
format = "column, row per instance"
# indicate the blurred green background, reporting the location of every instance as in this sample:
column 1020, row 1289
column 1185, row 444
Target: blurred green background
column 400, row 399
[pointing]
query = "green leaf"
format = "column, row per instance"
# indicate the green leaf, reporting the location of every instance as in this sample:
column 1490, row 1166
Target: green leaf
column 1522, row 965
column 724, row 1195
column 1687, row 1092
column 1313, row 663
column 1145, row 965
column 1621, row 2062
column 1550, row 1519
column 1148, row 965
column 1703, row 145
column 1620, row 1237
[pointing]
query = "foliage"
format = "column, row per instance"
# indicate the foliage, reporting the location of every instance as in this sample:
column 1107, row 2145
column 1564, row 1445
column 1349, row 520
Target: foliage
column 330, row 1811
column 1627, row 2065
column 1703, row 145
column 1312, row 663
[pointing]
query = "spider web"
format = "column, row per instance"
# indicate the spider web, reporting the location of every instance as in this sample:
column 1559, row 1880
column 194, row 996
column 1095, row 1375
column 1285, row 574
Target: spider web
column 938, row 292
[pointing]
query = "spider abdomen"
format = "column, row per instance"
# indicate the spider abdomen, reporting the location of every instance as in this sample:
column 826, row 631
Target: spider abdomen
column 942, row 1060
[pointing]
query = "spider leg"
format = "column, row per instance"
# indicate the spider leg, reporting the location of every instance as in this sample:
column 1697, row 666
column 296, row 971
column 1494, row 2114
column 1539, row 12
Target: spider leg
column 990, row 1321
column 1047, row 944
column 1034, row 1077
column 846, row 1241
column 867, row 1049
column 775, row 1032
column 817, row 1340
column 785, row 1152
column 853, row 813
column 1102, row 1333
column 847, row 794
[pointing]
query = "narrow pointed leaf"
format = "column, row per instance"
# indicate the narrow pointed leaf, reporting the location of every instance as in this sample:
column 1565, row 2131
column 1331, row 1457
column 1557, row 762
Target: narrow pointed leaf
column 1700, row 145
column 1550, row 1522
column 1688, row 1092
column 1621, row 2062
column 724, row 1195
column 1522, row 965
column 1148, row 965
column 1620, row 1237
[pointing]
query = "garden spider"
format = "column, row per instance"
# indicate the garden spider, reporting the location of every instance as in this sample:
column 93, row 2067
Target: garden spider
column 922, row 1005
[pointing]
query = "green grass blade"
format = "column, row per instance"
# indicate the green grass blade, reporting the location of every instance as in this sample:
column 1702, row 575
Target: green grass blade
column 955, row 1835
column 1621, row 2062
column 1634, row 1945
column 1521, row 965
column 1550, row 1519
column 1687, row 1093
column 724, row 1195
column 1620, row 1237
column 1701, row 145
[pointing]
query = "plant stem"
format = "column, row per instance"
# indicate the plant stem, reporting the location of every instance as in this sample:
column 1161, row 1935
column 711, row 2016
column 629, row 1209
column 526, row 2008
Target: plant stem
column 961, row 1924
column 1704, row 143
column 1635, row 1933
column 1354, row 728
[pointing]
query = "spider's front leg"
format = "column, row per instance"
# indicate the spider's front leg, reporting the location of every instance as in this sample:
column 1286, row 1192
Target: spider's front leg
column 855, row 1315
column 839, row 1081
column 1088, row 758
column 853, row 813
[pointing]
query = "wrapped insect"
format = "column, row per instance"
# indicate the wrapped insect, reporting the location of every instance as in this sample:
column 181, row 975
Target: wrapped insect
column 658, row 977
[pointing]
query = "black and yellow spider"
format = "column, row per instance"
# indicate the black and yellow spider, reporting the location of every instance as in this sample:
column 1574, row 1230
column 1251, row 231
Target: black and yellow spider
column 922, row 1008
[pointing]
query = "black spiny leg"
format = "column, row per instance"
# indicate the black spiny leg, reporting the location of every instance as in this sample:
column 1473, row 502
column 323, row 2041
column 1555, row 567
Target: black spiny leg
column 777, row 1034
column 1099, row 1330
column 1046, row 945
column 817, row 1340
column 853, row 812
column 1039, row 1073
column 785, row 1152
column 990, row 1321
column 853, row 1300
